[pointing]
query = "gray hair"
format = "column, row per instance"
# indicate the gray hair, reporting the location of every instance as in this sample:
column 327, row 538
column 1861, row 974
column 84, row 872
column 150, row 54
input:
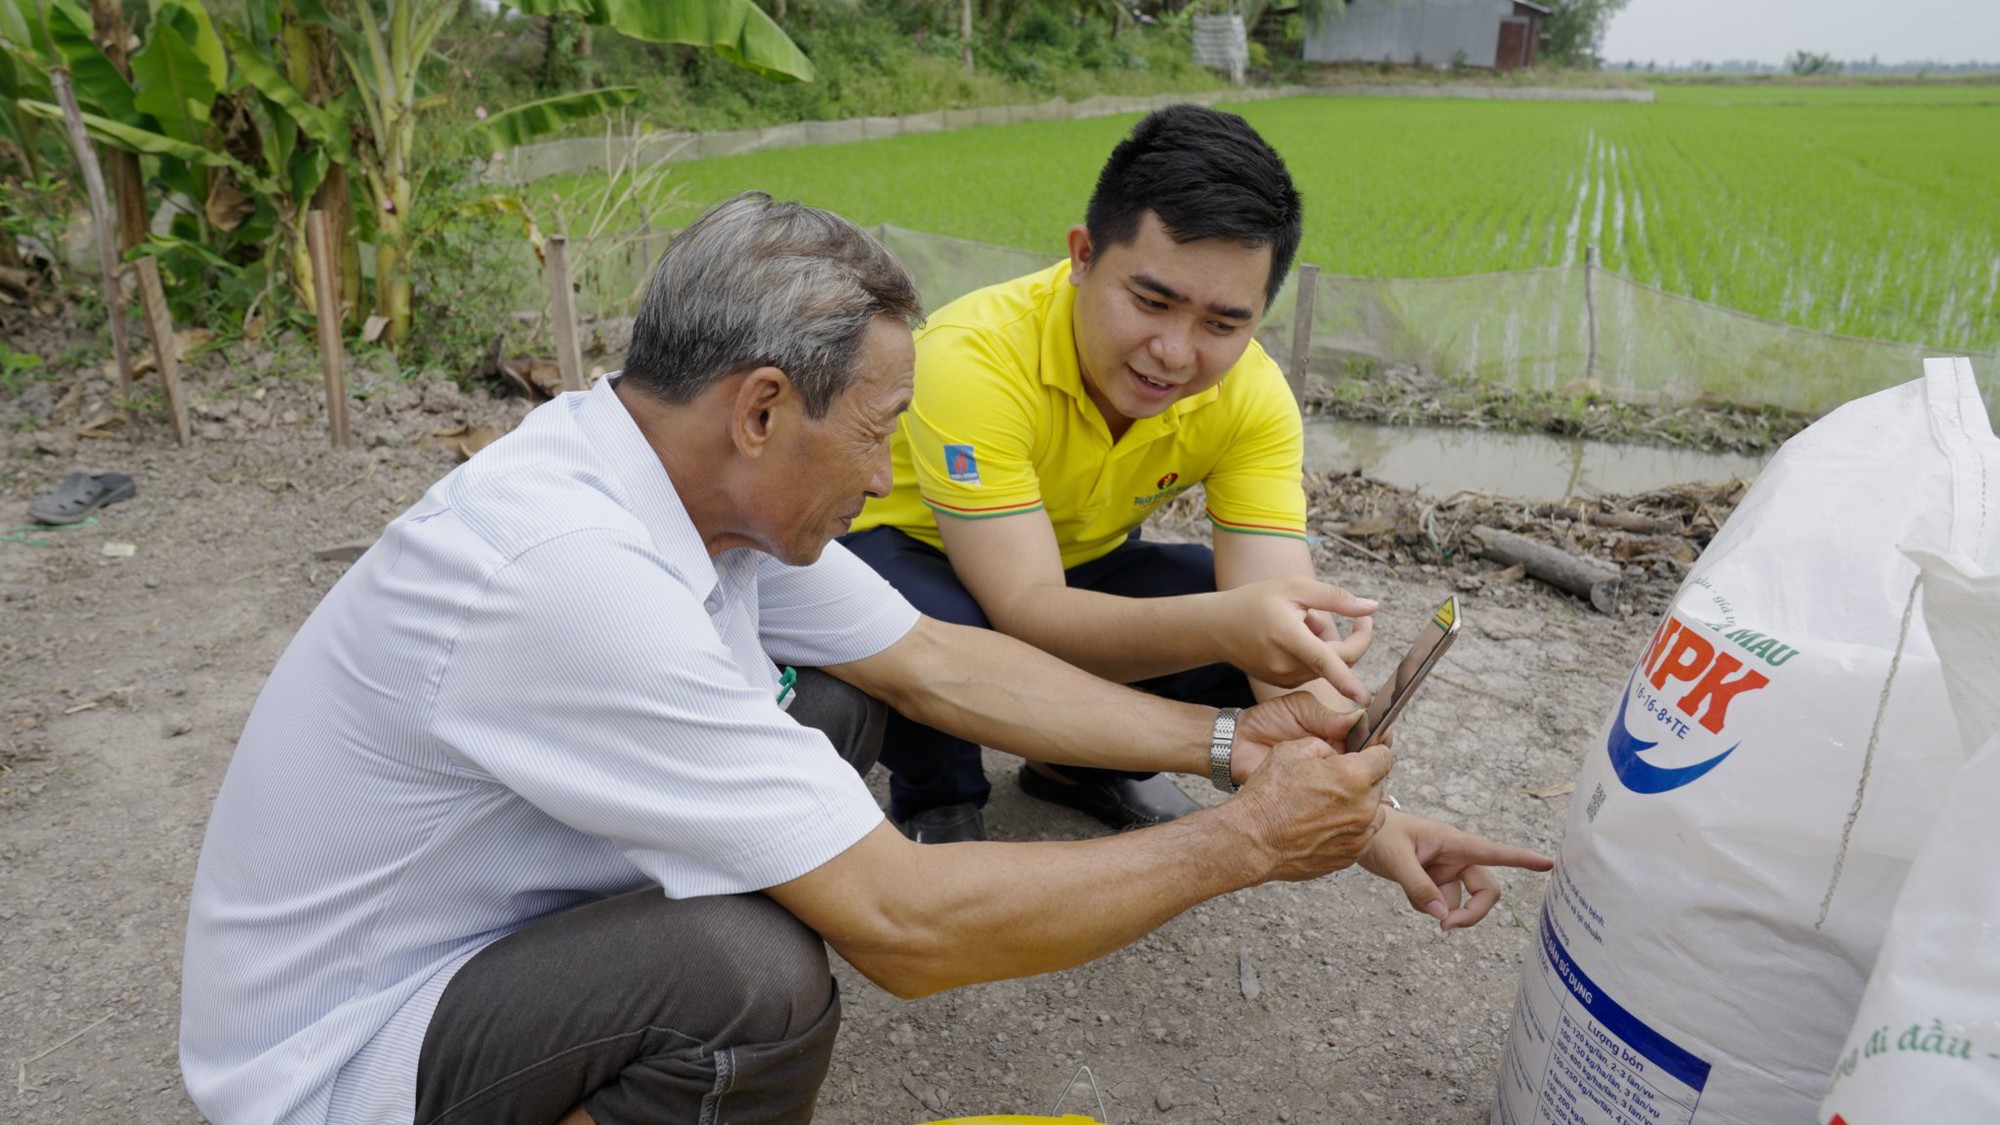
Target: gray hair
column 756, row 283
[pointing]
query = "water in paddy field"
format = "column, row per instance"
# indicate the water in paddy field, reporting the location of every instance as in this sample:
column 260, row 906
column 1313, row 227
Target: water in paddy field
column 1438, row 462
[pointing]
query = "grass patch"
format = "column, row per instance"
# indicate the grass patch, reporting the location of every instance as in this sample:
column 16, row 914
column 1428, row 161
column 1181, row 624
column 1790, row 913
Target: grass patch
column 1863, row 210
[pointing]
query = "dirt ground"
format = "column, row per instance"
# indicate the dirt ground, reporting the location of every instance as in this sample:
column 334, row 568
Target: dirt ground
column 124, row 682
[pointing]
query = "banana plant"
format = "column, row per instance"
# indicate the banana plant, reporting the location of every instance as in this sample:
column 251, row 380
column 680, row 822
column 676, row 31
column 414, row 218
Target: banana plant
column 318, row 95
column 383, row 46
column 166, row 111
column 295, row 85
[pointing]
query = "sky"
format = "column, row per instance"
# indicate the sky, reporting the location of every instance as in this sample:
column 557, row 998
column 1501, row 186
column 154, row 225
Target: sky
column 1768, row 30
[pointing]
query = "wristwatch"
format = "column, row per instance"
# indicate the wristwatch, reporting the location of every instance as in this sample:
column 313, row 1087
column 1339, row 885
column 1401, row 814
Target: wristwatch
column 1220, row 743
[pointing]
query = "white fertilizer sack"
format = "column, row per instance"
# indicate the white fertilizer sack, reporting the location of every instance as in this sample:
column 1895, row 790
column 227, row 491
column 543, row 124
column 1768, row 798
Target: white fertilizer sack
column 1742, row 824
column 1925, row 1045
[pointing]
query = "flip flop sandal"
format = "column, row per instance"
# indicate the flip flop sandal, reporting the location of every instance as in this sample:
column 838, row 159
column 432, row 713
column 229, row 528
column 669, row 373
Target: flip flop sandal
column 78, row 495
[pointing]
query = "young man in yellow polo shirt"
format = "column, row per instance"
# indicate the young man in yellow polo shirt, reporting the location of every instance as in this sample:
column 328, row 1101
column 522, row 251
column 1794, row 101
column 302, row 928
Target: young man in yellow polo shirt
column 1053, row 413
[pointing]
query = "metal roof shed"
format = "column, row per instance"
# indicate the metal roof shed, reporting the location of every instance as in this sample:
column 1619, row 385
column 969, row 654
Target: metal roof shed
column 1499, row 34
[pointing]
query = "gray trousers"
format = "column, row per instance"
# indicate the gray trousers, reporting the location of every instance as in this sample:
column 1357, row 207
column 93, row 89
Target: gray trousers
column 642, row 1008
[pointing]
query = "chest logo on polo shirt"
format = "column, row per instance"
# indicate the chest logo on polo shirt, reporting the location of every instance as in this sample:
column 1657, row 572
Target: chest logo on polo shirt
column 1165, row 488
column 961, row 464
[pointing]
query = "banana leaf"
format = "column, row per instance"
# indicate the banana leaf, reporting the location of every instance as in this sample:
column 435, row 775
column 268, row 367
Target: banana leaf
column 145, row 142
column 517, row 126
column 18, row 34
column 326, row 127
column 207, row 44
column 173, row 80
column 99, row 86
column 738, row 30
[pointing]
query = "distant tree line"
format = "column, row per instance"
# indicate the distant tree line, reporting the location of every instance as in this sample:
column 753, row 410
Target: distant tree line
column 1809, row 62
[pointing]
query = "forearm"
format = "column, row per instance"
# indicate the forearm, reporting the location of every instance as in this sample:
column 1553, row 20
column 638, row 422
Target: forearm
column 996, row 911
column 1004, row 693
column 1122, row 639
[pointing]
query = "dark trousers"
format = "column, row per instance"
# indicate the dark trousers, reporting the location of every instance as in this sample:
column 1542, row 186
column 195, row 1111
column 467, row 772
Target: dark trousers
column 643, row 1008
column 931, row 768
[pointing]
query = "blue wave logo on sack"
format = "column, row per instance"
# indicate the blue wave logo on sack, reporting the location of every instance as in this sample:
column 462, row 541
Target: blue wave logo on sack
column 1685, row 685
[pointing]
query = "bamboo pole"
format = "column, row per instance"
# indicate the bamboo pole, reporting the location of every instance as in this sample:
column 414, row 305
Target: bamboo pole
column 160, row 323
column 1306, row 289
column 100, row 217
column 562, row 306
column 333, row 361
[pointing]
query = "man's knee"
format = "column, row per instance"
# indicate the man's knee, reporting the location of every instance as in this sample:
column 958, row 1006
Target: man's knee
column 764, row 963
column 850, row 718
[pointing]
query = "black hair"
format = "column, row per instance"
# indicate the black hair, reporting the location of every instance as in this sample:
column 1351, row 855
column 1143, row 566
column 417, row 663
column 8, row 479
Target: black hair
column 1206, row 174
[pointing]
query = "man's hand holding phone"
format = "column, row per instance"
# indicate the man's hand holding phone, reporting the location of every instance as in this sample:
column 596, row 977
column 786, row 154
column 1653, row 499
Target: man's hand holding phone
column 1299, row 715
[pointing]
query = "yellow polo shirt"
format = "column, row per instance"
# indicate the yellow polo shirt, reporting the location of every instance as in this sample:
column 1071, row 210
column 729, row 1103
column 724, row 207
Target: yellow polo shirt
column 1001, row 425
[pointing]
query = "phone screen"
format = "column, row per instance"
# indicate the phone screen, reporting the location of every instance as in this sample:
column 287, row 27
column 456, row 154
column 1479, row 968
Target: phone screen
column 1386, row 704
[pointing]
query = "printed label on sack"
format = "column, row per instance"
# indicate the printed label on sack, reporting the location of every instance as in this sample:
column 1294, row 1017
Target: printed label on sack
column 1674, row 722
column 1578, row 1057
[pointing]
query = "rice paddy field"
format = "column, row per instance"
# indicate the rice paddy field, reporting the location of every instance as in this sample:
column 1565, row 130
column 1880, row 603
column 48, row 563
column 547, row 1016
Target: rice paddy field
column 1872, row 211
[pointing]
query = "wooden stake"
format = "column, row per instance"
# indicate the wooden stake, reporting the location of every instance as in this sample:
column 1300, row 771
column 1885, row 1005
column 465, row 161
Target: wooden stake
column 100, row 217
column 1302, row 330
column 562, row 306
column 160, row 323
column 326, row 301
column 1590, row 312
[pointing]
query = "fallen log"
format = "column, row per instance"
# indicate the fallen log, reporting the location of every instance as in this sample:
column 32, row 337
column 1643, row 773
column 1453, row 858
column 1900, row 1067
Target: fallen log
column 1595, row 582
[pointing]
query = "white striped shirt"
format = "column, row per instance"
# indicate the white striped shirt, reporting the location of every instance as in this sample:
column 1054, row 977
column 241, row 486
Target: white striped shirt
column 536, row 689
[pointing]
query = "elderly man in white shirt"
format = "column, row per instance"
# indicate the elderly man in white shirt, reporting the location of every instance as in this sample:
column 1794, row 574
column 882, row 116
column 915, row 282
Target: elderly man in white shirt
column 530, row 825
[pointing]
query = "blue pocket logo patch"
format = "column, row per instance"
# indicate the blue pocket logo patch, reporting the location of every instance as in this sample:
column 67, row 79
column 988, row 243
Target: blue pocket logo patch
column 961, row 464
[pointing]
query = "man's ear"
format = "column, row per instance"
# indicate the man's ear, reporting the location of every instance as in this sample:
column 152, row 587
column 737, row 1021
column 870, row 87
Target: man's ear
column 1080, row 251
column 764, row 394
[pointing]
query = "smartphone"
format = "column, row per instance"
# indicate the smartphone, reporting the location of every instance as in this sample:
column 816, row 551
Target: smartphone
column 1385, row 705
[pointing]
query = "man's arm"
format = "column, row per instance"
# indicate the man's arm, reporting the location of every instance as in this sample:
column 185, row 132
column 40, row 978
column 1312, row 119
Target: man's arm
column 1013, row 568
column 1007, row 694
column 1243, row 560
column 916, row 919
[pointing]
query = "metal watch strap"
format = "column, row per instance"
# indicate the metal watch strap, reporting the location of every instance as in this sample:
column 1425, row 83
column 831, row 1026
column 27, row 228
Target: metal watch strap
column 1220, row 744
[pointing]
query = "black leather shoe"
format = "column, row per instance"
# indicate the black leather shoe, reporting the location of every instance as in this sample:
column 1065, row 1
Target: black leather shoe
column 947, row 824
column 1121, row 802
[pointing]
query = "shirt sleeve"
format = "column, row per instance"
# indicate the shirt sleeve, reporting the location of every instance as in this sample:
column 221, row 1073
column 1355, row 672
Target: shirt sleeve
column 971, row 427
column 590, row 682
column 1258, row 486
column 832, row 612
